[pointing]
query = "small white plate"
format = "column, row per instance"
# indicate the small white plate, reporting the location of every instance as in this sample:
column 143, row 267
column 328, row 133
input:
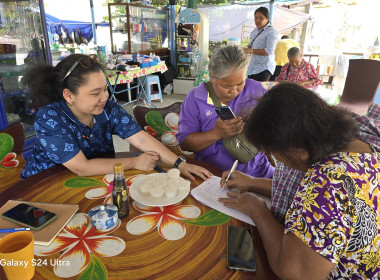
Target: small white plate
column 134, row 191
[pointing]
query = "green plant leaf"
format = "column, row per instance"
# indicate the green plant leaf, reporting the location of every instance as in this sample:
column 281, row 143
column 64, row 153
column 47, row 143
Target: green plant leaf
column 82, row 182
column 95, row 270
column 6, row 145
column 155, row 120
column 210, row 218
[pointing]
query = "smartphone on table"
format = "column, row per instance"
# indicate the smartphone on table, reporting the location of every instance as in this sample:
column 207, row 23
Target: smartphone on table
column 224, row 113
column 29, row 216
column 240, row 249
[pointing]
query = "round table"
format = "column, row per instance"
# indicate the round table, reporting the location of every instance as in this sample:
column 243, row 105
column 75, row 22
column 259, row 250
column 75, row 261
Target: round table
column 200, row 254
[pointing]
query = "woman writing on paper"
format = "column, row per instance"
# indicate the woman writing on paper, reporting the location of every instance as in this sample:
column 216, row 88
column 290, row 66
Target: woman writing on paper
column 75, row 123
column 332, row 227
column 284, row 184
column 201, row 131
column 261, row 47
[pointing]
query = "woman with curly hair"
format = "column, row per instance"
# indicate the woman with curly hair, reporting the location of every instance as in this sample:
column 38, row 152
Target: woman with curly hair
column 332, row 227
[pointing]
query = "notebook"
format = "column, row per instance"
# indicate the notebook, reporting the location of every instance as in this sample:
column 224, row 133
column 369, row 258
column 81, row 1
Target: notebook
column 47, row 234
column 210, row 191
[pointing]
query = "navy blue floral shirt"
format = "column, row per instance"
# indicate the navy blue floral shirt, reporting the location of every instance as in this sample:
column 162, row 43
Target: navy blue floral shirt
column 60, row 135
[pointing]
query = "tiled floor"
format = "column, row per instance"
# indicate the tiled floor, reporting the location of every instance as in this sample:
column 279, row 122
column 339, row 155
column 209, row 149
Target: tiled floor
column 123, row 145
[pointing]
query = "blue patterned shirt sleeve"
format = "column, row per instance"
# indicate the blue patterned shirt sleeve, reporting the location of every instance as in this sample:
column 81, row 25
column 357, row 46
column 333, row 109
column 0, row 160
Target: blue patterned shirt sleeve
column 122, row 123
column 55, row 139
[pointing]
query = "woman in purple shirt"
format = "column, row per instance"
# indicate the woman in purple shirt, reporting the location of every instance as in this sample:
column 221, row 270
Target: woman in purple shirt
column 201, row 131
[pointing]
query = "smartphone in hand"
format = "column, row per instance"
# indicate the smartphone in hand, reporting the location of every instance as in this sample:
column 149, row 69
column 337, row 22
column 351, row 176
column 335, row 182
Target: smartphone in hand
column 29, row 216
column 224, row 113
column 240, row 249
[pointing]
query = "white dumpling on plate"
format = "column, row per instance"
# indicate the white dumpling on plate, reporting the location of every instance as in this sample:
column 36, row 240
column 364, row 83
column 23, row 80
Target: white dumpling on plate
column 160, row 183
column 147, row 180
column 157, row 193
column 160, row 176
column 170, row 191
column 145, row 189
column 173, row 182
column 183, row 185
column 173, row 173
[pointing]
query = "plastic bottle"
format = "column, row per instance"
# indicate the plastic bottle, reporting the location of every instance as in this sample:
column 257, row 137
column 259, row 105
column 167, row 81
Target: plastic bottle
column 120, row 195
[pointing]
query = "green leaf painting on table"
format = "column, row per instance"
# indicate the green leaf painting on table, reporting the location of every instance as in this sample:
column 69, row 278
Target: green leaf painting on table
column 7, row 157
column 155, row 120
column 163, row 129
column 210, row 218
column 6, row 144
column 82, row 182
column 95, row 270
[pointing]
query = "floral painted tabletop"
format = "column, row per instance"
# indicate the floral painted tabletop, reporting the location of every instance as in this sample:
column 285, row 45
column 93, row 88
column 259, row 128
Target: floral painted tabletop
column 186, row 240
column 128, row 76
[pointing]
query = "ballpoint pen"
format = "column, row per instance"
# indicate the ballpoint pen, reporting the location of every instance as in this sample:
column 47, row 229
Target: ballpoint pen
column 13, row 229
column 231, row 171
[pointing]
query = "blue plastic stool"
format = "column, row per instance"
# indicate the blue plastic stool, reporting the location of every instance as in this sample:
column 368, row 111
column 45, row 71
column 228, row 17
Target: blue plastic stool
column 149, row 81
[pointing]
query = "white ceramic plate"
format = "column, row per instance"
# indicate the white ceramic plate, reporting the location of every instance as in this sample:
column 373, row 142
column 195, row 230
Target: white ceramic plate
column 134, row 191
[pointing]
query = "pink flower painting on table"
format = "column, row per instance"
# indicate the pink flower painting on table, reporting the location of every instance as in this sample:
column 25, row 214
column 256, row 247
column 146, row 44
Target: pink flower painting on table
column 82, row 245
column 167, row 219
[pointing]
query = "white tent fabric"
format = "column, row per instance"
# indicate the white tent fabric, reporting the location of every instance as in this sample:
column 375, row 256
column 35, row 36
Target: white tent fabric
column 227, row 21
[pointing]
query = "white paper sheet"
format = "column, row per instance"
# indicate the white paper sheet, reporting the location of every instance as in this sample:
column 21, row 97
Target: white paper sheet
column 210, row 191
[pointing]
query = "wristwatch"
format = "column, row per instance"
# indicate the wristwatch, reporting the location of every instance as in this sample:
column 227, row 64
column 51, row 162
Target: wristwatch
column 178, row 161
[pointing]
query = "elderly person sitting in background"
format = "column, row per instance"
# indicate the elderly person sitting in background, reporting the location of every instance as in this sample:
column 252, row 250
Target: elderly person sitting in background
column 201, row 131
column 298, row 70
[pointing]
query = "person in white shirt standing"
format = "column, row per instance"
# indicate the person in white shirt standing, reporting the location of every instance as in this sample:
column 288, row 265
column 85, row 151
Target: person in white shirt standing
column 263, row 40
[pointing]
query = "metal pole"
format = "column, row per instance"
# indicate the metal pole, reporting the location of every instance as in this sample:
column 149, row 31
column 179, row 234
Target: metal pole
column 271, row 11
column 93, row 22
column 173, row 45
column 45, row 32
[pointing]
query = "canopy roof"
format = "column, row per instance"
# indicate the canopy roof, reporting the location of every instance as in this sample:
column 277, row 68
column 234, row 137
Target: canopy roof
column 227, row 21
column 55, row 25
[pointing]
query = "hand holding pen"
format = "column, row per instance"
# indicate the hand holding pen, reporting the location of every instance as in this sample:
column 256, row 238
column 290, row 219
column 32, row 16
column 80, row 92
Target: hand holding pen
column 231, row 171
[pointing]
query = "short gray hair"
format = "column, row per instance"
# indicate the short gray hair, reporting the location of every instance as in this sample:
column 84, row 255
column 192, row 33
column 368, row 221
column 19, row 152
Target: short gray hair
column 227, row 59
column 293, row 52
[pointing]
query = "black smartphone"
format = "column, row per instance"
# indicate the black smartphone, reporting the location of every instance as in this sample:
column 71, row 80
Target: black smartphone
column 29, row 216
column 240, row 249
column 224, row 113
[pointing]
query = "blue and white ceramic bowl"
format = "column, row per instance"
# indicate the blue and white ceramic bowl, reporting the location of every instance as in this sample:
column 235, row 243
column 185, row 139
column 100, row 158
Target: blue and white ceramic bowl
column 103, row 217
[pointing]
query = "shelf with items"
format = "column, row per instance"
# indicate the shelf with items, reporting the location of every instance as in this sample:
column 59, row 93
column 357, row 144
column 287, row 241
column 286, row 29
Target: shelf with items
column 144, row 29
column 192, row 29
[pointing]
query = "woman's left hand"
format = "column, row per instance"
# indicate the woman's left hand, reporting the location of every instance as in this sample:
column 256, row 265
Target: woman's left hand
column 187, row 169
column 245, row 202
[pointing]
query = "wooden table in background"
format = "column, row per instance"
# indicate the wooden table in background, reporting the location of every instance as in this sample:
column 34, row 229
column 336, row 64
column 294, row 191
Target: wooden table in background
column 200, row 254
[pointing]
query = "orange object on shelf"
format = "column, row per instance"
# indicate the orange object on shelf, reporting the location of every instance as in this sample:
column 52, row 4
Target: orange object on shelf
column 329, row 69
